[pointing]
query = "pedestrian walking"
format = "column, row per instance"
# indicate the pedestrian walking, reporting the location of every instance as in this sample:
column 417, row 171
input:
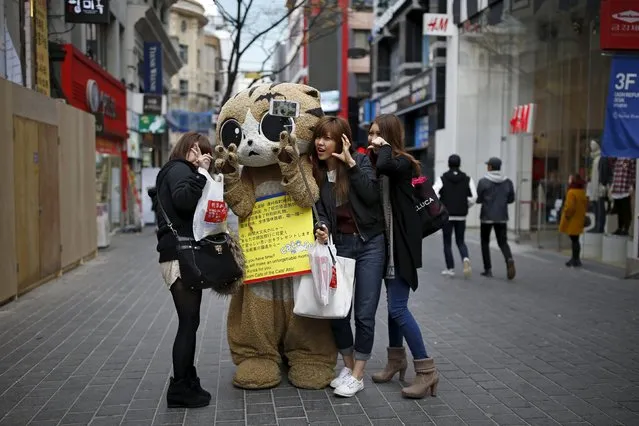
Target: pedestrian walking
column 178, row 189
column 396, row 169
column 457, row 192
column 494, row 193
column 573, row 216
column 350, row 210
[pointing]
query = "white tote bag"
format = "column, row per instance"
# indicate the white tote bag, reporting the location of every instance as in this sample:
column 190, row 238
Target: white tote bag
column 211, row 211
column 307, row 304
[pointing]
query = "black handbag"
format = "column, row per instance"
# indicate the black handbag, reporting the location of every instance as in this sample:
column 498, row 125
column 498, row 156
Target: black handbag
column 214, row 262
column 432, row 212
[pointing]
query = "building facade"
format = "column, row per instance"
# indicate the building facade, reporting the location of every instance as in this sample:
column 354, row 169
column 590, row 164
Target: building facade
column 409, row 74
column 531, row 86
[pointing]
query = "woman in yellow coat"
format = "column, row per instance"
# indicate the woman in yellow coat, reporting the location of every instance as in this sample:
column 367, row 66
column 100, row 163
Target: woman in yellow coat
column 573, row 215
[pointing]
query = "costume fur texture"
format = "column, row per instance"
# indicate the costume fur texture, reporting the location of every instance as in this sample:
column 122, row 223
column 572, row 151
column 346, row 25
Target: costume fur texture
column 259, row 158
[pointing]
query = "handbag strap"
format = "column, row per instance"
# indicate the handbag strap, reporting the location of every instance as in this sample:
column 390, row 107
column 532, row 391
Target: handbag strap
column 164, row 215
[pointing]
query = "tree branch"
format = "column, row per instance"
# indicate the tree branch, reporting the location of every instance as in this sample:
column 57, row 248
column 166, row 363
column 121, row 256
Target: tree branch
column 226, row 16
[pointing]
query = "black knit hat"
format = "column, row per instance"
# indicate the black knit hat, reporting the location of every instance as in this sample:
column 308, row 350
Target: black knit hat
column 454, row 161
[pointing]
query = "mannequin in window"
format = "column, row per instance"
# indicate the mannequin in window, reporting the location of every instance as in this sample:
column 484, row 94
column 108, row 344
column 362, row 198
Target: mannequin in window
column 597, row 193
column 623, row 183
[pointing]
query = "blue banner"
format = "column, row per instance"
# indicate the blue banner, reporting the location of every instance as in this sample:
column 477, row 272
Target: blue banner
column 185, row 121
column 621, row 130
column 153, row 67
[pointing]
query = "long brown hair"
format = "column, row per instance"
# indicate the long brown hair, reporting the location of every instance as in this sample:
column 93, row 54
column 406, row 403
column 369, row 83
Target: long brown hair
column 331, row 127
column 181, row 149
column 392, row 131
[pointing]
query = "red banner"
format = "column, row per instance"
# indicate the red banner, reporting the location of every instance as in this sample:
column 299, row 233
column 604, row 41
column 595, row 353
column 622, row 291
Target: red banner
column 619, row 25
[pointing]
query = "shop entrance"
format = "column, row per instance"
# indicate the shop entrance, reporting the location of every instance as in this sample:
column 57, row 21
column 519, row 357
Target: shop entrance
column 37, row 207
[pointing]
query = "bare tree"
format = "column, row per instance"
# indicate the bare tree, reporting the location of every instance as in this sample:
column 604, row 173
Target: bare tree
column 254, row 26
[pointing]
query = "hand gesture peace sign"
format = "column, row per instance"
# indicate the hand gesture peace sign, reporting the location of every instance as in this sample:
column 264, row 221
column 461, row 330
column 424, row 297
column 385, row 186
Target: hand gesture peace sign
column 345, row 155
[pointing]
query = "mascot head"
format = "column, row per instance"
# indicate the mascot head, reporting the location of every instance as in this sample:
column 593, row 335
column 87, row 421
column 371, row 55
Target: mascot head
column 245, row 121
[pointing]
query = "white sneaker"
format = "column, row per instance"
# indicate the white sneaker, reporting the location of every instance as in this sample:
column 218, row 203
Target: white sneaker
column 448, row 272
column 349, row 387
column 341, row 377
column 467, row 268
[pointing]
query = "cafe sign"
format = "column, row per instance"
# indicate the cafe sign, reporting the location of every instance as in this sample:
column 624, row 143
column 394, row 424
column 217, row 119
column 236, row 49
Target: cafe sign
column 413, row 94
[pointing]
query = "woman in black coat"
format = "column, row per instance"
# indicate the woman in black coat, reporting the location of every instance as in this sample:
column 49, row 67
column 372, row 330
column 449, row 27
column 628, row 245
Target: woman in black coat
column 397, row 168
column 179, row 187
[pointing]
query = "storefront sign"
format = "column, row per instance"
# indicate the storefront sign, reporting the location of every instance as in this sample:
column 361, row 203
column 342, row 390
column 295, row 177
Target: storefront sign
column 133, row 145
column 152, row 124
column 422, row 130
column 621, row 130
column 152, row 104
column 153, row 67
column 619, row 25
column 103, row 95
column 438, row 24
column 523, row 119
column 186, row 121
column 41, row 41
column 98, row 101
column 87, row 11
column 132, row 120
column 411, row 95
column 275, row 239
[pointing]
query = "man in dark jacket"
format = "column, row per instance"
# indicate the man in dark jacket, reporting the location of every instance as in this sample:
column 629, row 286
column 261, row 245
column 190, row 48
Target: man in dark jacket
column 494, row 193
column 456, row 190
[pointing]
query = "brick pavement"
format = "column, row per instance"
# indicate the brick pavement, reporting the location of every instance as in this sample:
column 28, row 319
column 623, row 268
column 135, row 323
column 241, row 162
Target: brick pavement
column 555, row 346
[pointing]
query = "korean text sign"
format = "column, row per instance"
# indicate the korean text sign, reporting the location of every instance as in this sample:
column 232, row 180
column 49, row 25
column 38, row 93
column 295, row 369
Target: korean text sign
column 621, row 130
column 275, row 239
column 153, row 67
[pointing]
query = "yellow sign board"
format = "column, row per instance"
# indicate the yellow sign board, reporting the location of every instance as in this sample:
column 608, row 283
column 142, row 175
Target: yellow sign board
column 41, row 42
column 275, row 239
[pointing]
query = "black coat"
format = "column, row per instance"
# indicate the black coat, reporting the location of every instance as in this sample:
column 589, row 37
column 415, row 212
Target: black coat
column 407, row 237
column 363, row 195
column 179, row 188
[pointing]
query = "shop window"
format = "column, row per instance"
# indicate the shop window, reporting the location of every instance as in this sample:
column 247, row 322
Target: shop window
column 360, row 39
column 184, row 53
column 184, row 87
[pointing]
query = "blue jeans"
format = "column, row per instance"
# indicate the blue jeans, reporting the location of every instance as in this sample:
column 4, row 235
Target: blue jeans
column 369, row 271
column 459, row 226
column 401, row 323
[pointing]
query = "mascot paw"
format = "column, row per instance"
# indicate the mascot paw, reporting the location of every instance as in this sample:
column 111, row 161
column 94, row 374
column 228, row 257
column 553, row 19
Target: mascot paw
column 287, row 152
column 310, row 376
column 256, row 373
column 225, row 160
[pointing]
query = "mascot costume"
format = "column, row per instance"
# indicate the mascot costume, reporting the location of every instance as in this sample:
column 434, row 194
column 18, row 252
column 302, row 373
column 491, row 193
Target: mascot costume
column 260, row 158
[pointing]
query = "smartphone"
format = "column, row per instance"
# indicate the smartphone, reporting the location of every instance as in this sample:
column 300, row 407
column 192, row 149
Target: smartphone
column 283, row 108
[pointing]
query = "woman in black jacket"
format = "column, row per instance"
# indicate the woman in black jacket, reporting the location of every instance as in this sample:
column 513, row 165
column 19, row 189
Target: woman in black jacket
column 349, row 209
column 397, row 169
column 179, row 188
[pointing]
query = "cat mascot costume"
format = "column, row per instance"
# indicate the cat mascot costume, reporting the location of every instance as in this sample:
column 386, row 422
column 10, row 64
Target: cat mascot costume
column 258, row 159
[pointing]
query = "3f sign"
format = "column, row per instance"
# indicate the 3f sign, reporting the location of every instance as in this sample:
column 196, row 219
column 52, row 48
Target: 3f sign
column 625, row 80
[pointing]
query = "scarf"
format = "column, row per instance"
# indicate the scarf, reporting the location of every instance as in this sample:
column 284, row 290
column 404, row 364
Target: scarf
column 388, row 219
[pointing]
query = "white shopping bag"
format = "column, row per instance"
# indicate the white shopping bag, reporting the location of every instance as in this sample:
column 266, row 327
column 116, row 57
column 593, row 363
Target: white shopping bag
column 211, row 211
column 340, row 299
column 322, row 258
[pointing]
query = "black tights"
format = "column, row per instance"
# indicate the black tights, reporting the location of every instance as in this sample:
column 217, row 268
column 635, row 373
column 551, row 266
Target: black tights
column 187, row 303
column 576, row 247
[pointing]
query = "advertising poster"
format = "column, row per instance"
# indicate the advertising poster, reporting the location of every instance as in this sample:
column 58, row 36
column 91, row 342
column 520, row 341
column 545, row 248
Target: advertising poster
column 275, row 239
column 621, row 129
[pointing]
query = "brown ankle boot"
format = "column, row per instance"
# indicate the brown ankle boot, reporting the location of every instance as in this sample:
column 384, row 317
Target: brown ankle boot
column 396, row 363
column 426, row 380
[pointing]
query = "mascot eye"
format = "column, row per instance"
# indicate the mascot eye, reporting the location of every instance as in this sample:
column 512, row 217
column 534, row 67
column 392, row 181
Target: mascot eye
column 271, row 126
column 231, row 133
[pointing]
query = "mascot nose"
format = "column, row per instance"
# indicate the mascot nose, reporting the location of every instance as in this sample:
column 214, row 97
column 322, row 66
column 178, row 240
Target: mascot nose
column 249, row 142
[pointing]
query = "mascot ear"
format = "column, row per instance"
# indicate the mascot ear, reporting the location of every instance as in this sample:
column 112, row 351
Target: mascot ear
column 313, row 92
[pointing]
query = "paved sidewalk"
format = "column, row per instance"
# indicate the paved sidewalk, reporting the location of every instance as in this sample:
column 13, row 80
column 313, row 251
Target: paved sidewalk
column 555, row 346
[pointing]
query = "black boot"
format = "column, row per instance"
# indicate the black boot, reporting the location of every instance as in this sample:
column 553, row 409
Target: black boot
column 181, row 393
column 195, row 382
